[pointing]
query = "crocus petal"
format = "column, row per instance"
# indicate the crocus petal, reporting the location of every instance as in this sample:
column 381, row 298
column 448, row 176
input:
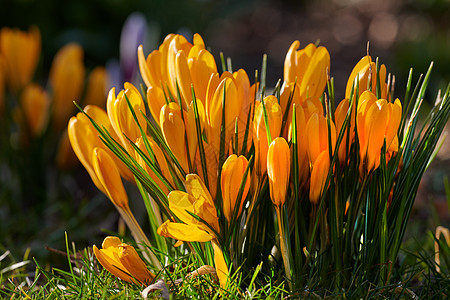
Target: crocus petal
column 183, row 232
column 221, row 266
column 233, row 171
column 134, row 264
column 278, row 170
column 109, row 177
column 319, row 175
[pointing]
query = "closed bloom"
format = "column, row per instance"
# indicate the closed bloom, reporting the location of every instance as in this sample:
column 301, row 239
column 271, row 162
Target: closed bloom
column 319, row 175
column 21, row 51
column 308, row 67
column 340, row 114
column 275, row 117
column 34, row 103
column 302, row 151
column 377, row 121
column 121, row 117
column 159, row 162
column 96, row 89
column 364, row 71
column 317, row 136
column 216, row 107
column 174, row 132
column 109, row 177
column 197, row 201
column 84, row 138
column 66, row 81
column 278, row 170
column 232, row 175
column 123, row 261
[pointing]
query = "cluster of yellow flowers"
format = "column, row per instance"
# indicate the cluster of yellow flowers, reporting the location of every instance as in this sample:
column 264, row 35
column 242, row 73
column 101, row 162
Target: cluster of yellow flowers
column 34, row 108
column 219, row 143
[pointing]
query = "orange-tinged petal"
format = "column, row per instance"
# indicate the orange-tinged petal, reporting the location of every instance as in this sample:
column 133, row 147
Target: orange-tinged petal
column 96, row 89
column 173, row 130
column 159, row 162
column 66, row 80
column 134, row 264
column 220, row 265
column 156, row 100
column 290, row 63
column 21, row 51
column 183, row 232
column 35, row 103
column 395, row 116
column 315, row 78
column 183, row 77
column 108, row 175
column 278, row 170
column 275, row 117
column 317, row 136
column 319, row 175
column 233, row 171
column 112, row 265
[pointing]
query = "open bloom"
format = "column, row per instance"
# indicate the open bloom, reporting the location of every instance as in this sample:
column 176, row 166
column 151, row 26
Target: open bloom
column 278, row 170
column 21, row 51
column 196, row 201
column 123, row 261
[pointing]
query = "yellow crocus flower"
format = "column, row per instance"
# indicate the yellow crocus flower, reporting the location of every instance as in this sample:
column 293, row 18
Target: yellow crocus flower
column 198, row 201
column 160, row 161
column 215, row 108
column 34, row 102
column 66, row 81
column 340, row 114
column 178, row 61
column 302, row 151
column 123, row 261
column 275, row 117
column 317, row 136
column 319, row 175
column 109, row 177
column 364, row 69
column 121, row 117
column 308, row 67
column 84, row 138
column 278, row 170
column 233, row 171
column 372, row 117
column 97, row 87
column 174, row 132
column 21, row 51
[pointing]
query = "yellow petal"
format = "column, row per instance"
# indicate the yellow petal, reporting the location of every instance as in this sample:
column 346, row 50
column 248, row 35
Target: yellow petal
column 108, row 258
column 319, row 175
column 134, row 264
column 233, row 171
column 278, row 170
column 183, row 232
column 109, row 176
column 180, row 203
column 221, row 266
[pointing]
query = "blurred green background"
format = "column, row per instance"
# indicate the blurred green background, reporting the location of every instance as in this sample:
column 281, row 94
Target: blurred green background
column 404, row 34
